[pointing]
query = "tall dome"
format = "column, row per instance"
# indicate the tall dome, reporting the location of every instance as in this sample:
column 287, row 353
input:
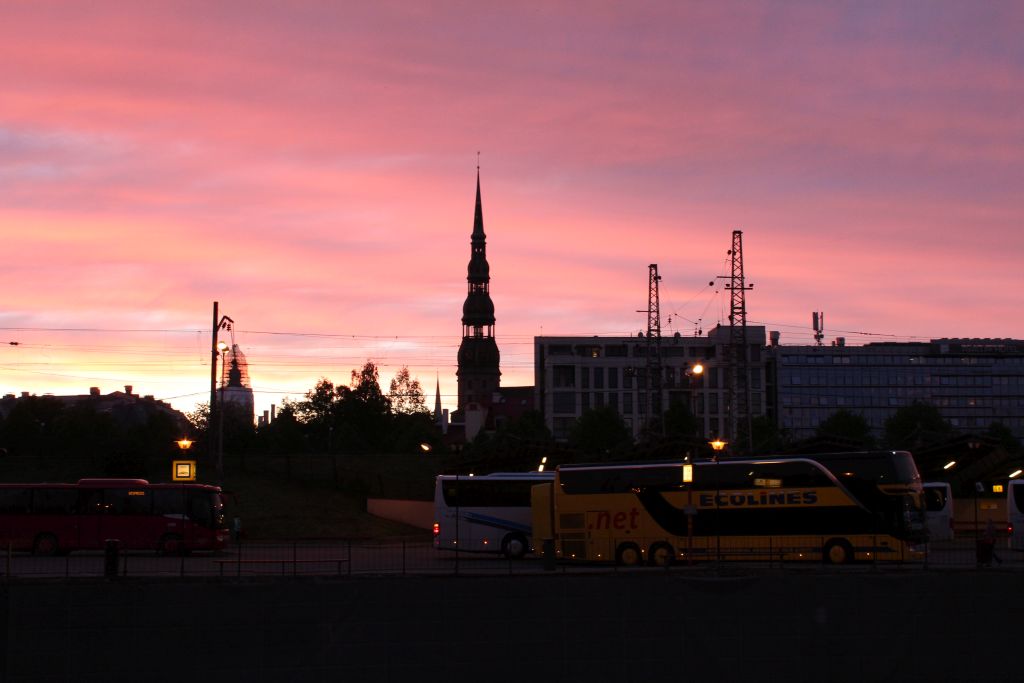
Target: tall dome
column 235, row 388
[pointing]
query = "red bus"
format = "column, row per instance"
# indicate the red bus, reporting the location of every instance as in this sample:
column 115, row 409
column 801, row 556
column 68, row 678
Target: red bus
column 50, row 519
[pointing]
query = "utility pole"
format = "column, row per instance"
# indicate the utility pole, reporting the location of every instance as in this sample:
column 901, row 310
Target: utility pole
column 654, row 373
column 737, row 368
column 212, row 417
column 216, row 418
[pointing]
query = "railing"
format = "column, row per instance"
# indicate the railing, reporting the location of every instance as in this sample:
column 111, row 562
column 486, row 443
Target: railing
column 351, row 558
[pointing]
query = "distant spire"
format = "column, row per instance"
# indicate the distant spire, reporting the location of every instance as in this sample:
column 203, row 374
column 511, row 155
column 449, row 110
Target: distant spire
column 437, row 402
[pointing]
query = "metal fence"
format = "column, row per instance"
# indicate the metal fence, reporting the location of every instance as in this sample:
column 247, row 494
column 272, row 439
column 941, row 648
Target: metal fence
column 349, row 558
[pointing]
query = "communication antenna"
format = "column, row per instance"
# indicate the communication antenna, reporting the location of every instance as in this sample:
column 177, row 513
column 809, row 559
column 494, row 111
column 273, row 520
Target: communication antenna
column 818, row 320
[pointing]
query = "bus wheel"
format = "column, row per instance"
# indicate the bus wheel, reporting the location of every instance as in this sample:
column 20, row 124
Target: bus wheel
column 661, row 555
column 170, row 544
column 45, row 544
column 628, row 555
column 514, row 546
column 837, row 551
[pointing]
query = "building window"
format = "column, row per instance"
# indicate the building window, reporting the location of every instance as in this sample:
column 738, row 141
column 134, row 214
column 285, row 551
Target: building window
column 563, row 402
column 613, row 378
column 599, row 378
column 563, row 376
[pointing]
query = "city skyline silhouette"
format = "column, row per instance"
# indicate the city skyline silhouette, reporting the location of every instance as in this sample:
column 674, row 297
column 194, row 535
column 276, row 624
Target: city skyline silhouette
column 313, row 168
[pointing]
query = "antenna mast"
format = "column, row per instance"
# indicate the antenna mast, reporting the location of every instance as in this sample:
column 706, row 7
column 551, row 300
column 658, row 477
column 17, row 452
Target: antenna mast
column 818, row 319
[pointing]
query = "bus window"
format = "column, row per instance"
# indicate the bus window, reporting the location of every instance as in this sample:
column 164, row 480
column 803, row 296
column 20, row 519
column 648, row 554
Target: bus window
column 169, row 502
column 488, row 513
column 127, row 501
column 14, row 501
column 54, row 501
column 201, row 508
column 90, row 502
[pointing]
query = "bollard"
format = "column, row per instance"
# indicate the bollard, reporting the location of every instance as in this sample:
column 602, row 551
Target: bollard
column 111, row 551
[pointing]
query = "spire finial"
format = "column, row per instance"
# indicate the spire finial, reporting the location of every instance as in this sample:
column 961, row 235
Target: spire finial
column 478, row 163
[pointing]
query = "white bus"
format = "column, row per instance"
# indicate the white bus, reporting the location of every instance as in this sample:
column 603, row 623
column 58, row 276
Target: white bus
column 486, row 513
column 1015, row 513
column 938, row 510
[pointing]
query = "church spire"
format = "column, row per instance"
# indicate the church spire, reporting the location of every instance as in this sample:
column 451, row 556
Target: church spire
column 478, row 373
column 437, row 402
column 478, row 219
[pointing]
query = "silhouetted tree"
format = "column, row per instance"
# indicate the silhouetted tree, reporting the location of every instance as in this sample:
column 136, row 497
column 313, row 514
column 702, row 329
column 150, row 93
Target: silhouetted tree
column 364, row 413
column 919, row 424
column 1005, row 437
column 600, row 433
column 680, row 423
column 410, row 431
column 199, row 418
column 285, row 434
column 406, row 394
column 29, row 427
column 767, row 437
column 849, row 426
column 320, row 406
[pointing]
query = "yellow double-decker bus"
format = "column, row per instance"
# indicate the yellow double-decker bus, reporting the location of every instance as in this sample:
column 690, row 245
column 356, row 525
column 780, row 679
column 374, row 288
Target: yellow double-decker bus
column 836, row 508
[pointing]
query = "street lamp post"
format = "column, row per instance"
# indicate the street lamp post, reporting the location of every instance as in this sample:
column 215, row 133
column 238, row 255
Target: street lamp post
column 718, row 445
column 216, row 348
column 694, row 373
column 222, row 347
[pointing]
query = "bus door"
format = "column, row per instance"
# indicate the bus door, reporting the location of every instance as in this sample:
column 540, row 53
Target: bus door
column 128, row 517
column 938, row 503
column 91, row 511
column 599, row 536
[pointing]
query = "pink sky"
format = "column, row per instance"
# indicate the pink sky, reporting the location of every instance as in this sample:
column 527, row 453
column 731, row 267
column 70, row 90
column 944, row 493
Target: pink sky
column 311, row 166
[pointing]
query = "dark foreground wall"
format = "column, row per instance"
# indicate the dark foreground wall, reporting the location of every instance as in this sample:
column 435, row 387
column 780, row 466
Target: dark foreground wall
column 620, row 627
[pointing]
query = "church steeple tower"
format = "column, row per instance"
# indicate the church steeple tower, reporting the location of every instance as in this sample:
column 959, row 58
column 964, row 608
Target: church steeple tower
column 478, row 373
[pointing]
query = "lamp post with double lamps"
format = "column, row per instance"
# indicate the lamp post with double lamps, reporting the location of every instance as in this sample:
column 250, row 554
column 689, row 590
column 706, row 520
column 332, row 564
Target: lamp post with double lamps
column 217, row 349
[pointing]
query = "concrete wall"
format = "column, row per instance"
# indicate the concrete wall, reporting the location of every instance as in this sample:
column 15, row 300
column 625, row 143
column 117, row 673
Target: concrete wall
column 645, row 626
column 417, row 513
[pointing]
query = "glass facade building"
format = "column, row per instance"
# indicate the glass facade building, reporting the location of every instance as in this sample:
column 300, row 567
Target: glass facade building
column 972, row 382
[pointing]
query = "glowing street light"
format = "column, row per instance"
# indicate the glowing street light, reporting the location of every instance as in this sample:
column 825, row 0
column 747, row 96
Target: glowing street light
column 949, row 464
column 718, row 445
